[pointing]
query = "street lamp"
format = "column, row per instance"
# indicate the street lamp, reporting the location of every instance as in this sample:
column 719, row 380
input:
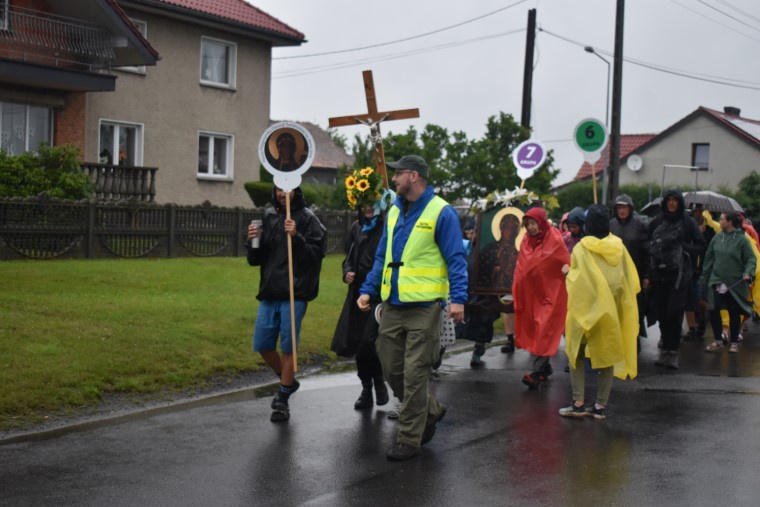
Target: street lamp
column 589, row 49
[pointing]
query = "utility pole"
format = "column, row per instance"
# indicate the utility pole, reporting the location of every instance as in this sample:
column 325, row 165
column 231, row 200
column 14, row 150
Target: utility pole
column 530, row 41
column 617, row 88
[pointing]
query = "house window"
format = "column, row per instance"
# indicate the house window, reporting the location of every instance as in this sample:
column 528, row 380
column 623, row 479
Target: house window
column 24, row 127
column 142, row 27
column 218, row 63
column 700, row 156
column 4, row 15
column 215, row 156
column 120, row 143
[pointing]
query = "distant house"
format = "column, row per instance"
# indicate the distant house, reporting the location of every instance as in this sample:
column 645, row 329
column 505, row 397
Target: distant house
column 54, row 56
column 707, row 149
column 198, row 115
column 330, row 161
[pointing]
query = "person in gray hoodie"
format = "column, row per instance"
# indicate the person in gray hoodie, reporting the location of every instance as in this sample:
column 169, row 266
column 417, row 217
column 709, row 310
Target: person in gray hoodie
column 631, row 228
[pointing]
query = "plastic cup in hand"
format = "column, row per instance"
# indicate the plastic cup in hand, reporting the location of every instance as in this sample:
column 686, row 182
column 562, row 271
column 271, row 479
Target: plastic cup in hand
column 255, row 240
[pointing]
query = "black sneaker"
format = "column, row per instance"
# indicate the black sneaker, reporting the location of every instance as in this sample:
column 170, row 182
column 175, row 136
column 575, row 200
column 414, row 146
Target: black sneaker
column 573, row 411
column 429, row 432
column 402, row 452
column 280, row 409
column 279, row 403
column 508, row 347
column 597, row 413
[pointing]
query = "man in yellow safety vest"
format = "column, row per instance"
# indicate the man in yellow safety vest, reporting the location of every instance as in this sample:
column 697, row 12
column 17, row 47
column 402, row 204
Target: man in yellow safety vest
column 419, row 264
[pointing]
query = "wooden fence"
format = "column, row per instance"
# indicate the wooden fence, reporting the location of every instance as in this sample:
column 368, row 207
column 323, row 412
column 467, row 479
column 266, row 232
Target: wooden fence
column 43, row 228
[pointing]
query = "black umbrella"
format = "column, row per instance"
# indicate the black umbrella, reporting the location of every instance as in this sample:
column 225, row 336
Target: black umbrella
column 652, row 208
column 713, row 201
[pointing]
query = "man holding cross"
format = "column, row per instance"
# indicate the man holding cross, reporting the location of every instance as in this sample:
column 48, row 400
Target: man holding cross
column 420, row 263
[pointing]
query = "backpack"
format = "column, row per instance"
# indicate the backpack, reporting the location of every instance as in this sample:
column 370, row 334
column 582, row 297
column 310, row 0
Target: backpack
column 666, row 251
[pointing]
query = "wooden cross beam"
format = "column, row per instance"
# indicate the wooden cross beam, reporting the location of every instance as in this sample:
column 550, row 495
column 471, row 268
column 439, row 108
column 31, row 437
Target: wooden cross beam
column 372, row 119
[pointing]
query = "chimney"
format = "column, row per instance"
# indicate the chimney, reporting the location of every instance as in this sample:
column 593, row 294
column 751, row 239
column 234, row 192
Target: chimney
column 732, row 111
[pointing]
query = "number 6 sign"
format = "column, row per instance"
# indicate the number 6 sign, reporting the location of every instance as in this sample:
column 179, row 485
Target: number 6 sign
column 528, row 157
column 590, row 138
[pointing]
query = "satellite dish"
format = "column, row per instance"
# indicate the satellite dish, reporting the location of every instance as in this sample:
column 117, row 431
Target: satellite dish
column 634, row 163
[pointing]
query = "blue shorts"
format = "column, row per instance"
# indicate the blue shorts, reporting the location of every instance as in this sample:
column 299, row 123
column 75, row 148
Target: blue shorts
column 272, row 320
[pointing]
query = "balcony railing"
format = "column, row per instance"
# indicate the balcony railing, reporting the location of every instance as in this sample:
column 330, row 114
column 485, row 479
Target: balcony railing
column 55, row 40
column 119, row 182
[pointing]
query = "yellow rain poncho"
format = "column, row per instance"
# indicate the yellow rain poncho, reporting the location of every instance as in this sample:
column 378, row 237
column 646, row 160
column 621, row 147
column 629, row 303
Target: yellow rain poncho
column 601, row 287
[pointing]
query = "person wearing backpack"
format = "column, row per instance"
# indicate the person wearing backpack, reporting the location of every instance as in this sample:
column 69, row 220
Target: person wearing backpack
column 675, row 246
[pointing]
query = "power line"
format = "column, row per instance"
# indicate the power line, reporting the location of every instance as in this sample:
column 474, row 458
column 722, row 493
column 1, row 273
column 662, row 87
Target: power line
column 391, row 56
column 750, row 85
column 728, row 15
column 740, row 11
column 714, row 20
column 439, row 30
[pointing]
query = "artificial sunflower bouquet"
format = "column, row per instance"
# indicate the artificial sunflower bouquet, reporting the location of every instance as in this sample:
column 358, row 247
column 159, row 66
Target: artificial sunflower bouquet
column 364, row 187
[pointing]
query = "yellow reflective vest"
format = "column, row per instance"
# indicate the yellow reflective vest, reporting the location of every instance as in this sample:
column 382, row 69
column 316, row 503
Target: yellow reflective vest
column 422, row 271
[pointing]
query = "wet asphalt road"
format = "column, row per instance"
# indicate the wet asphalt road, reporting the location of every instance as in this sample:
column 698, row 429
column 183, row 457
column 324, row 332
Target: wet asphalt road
column 690, row 437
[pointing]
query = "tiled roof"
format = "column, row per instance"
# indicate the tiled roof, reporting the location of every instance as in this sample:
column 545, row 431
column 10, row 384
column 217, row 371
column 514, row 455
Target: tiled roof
column 628, row 143
column 239, row 11
column 329, row 155
column 744, row 126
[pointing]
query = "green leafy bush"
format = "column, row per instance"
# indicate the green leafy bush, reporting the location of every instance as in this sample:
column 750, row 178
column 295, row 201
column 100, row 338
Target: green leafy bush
column 54, row 170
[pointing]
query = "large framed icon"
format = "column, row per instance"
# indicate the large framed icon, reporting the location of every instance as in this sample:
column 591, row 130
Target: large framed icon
column 286, row 151
column 499, row 235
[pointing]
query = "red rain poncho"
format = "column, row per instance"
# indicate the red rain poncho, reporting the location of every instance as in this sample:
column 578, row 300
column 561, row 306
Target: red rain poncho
column 540, row 297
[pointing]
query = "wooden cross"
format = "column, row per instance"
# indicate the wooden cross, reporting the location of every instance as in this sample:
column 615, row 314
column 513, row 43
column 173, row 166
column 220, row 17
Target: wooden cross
column 372, row 119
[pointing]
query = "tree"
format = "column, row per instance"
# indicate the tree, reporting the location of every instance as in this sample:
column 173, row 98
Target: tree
column 749, row 193
column 338, row 138
column 461, row 167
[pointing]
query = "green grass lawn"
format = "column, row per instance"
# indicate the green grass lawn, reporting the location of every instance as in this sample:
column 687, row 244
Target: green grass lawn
column 71, row 330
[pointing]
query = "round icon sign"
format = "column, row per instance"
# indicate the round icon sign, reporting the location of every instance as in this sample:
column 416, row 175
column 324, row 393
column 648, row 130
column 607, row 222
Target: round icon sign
column 590, row 136
column 528, row 157
column 286, row 151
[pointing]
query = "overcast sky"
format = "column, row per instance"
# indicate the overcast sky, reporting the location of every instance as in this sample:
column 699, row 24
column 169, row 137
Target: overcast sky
column 460, row 76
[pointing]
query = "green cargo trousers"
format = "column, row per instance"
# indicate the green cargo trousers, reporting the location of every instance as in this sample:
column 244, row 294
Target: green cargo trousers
column 407, row 344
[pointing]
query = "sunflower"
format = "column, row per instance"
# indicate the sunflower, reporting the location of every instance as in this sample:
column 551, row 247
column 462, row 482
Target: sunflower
column 362, row 185
column 366, row 171
column 351, row 199
column 350, row 182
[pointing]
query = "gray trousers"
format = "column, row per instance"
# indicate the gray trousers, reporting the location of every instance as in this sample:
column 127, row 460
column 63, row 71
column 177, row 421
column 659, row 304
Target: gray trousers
column 578, row 379
column 407, row 345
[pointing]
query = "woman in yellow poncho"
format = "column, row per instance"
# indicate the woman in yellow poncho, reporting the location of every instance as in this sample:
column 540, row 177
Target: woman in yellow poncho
column 602, row 317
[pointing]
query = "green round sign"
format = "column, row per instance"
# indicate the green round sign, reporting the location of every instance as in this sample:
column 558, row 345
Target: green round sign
column 590, row 136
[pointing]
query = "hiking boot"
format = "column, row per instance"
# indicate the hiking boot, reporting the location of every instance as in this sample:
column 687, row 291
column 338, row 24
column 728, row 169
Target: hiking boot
column 533, row 380
column 597, row 413
column 477, row 354
column 672, row 361
column 573, row 411
column 508, row 347
column 365, row 399
column 381, row 392
column 439, row 361
column 429, row 432
column 402, row 452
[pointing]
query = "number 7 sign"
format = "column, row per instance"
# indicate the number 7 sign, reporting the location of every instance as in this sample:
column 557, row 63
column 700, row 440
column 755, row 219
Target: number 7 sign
column 528, row 157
